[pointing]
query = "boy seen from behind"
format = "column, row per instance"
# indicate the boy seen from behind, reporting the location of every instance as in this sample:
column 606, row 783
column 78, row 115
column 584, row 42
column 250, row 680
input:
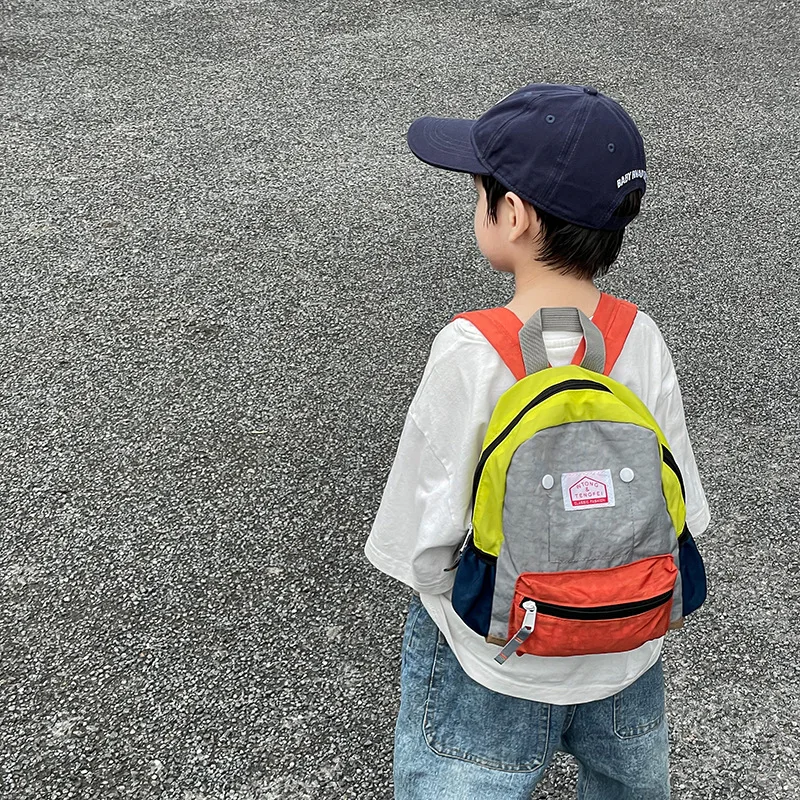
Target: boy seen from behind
column 559, row 172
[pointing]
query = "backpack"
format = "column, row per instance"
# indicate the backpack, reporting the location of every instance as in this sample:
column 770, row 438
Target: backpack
column 578, row 543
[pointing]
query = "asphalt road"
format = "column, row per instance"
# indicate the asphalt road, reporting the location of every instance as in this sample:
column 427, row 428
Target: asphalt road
column 220, row 273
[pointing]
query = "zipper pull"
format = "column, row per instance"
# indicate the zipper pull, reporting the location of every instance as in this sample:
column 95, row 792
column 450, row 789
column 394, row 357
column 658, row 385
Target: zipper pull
column 516, row 641
column 467, row 540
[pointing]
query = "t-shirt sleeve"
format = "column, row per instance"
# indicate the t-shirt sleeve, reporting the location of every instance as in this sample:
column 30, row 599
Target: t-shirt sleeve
column 670, row 416
column 425, row 508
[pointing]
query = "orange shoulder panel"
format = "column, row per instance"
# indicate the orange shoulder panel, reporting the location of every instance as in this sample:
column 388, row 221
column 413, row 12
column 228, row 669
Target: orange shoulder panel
column 501, row 329
column 614, row 318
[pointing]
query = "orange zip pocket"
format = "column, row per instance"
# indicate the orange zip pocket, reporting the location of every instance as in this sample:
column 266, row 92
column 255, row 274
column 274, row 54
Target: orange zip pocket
column 585, row 612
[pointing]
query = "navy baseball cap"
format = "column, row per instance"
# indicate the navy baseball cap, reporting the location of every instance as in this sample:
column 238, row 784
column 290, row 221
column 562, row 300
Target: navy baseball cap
column 568, row 150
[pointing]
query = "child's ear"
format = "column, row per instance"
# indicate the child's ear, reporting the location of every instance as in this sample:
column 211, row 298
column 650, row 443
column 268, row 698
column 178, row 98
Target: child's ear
column 521, row 216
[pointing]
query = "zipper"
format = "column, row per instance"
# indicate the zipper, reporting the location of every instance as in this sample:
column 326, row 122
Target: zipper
column 534, row 607
column 670, row 461
column 617, row 611
column 460, row 553
column 551, row 391
column 518, row 639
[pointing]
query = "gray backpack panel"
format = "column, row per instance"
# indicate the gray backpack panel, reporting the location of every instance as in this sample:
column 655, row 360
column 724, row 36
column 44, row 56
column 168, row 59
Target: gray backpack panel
column 541, row 535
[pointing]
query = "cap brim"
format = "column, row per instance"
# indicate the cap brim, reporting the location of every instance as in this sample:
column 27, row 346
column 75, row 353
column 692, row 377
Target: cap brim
column 445, row 143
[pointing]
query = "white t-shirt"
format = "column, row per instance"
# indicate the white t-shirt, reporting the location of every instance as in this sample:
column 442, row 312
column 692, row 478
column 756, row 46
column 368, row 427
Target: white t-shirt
column 425, row 510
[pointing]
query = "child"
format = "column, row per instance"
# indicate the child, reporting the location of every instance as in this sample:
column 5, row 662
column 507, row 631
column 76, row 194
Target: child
column 559, row 172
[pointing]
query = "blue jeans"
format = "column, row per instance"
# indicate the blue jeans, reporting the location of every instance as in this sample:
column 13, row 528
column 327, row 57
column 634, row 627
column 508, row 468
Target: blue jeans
column 457, row 740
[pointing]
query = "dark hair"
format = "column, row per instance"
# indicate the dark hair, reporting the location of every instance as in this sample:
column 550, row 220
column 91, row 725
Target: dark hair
column 570, row 249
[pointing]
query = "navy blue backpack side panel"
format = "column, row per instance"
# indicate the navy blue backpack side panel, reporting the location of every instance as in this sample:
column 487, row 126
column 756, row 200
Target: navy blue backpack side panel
column 473, row 590
column 693, row 574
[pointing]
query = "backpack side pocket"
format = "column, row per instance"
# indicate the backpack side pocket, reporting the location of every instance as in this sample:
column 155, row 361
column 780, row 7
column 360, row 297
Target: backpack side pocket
column 693, row 574
column 473, row 589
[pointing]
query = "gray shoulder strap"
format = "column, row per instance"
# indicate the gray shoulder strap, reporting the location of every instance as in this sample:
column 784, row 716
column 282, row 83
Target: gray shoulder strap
column 531, row 340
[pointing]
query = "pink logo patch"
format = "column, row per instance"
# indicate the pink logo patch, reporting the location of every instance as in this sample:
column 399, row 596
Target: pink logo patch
column 588, row 492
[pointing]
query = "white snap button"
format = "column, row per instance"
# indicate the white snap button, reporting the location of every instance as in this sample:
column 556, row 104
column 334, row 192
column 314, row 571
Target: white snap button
column 548, row 481
column 626, row 474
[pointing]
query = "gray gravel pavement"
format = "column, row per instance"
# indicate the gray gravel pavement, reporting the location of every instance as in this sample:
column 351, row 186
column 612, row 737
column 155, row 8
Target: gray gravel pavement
column 220, row 273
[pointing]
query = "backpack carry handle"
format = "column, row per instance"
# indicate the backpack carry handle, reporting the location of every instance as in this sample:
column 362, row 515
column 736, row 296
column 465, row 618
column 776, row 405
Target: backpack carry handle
column 573, row 320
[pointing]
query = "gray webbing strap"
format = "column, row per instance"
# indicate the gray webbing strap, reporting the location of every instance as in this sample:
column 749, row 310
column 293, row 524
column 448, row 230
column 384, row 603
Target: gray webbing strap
column 572, row 320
